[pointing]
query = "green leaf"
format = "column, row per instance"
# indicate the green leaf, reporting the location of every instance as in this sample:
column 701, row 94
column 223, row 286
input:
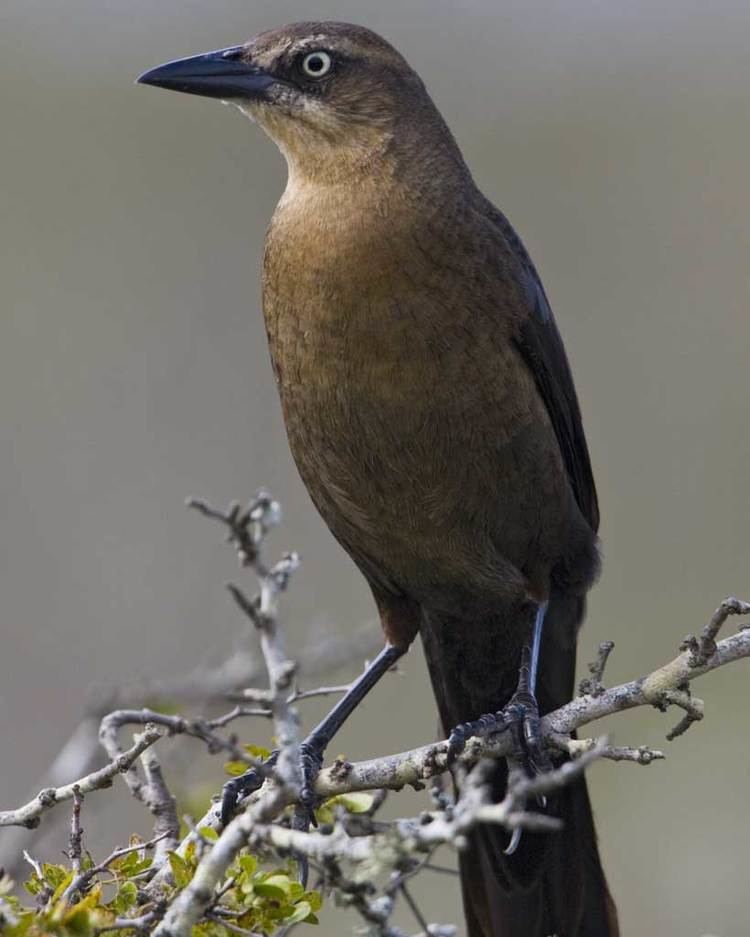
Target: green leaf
column 54, row 874
column 209, row 833
column 131, row 864
column 235, row 768
column 62, row 886
column 355, row 803
column 269, row 890
column 314, row 899
column 248, row 864
column 126, row 897
column 181, row 870
column 296, row 890
column 359, row 802
column 302, row 911
column 257, row 751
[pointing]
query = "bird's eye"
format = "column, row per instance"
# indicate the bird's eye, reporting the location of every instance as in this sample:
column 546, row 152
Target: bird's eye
column 316, row 64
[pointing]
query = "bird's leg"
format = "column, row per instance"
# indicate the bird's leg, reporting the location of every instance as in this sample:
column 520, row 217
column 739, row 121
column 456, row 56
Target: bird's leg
column 314, row 746
column 520, row 716
column 523, row 709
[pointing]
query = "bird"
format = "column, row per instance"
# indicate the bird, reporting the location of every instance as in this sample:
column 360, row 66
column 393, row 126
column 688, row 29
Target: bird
column 431, row 412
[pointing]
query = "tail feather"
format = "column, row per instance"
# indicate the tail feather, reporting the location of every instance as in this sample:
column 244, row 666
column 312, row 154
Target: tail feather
column 554, row 883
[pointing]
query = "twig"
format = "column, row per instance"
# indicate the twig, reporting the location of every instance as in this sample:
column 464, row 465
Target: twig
column 142, row 924
column 701, row 650
column 29, row 814
column 163, row 806
column 76, row 833
column 247, row 529
column 593, row 685
column 81, row 883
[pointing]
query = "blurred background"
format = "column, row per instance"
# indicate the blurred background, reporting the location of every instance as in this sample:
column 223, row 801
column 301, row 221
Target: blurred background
column 134, row 372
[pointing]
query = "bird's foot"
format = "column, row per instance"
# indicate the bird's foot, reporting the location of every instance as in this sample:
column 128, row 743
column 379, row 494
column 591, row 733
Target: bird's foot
column 526, row 726
column 310, row 763
column 239, row 788
column 310, row 760
column 484, row 726
column 521, row 718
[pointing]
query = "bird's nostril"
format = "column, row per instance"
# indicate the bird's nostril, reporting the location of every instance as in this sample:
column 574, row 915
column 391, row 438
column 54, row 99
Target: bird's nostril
column 232, row 54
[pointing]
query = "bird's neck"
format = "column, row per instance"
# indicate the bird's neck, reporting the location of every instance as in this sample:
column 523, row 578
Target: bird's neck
column 416, row 153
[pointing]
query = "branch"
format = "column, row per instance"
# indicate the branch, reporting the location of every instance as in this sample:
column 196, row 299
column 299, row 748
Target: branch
column 29, row 814
column 208, row 889
column 665, row 686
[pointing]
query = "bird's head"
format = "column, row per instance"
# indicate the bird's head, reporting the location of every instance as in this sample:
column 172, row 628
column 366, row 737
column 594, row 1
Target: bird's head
column 330, row 95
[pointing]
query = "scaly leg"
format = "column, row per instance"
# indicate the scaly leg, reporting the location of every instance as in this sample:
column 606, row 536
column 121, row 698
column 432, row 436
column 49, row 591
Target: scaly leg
column 314, row 746
column 520, row 716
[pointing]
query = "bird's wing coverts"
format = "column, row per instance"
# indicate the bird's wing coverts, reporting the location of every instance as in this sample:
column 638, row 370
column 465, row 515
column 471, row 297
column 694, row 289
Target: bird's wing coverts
column 541, row 347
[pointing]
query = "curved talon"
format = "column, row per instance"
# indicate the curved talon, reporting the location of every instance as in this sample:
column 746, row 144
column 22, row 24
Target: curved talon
column 236, row 789
column 515, row 839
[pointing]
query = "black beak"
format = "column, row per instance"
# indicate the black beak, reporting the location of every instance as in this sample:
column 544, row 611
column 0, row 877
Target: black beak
column 220, row 74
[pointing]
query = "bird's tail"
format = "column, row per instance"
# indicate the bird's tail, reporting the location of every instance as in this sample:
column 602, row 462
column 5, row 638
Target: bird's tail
column 554, row 883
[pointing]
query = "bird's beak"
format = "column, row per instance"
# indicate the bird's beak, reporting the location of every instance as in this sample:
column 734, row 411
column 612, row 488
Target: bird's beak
column 220, row 74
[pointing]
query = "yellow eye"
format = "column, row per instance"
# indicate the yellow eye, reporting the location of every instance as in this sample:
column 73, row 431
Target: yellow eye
column 316, row 64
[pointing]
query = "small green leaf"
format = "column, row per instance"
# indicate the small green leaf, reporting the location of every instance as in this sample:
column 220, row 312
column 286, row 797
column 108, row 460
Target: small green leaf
column 54, row 874
column 302, row 911
column 269, row 890
column 126, row 897
column 62, row 886
column 314, row 899
column 359, row 802
column 235, row 768
column 181, row 870
column 257, row 751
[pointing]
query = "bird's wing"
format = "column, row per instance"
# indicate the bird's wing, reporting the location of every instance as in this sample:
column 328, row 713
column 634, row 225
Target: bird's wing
column 541, row 347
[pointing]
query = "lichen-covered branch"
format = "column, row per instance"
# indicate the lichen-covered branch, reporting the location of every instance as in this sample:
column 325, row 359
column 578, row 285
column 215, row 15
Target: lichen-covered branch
column 665, row 686
column 28, row 815
column 194, row 881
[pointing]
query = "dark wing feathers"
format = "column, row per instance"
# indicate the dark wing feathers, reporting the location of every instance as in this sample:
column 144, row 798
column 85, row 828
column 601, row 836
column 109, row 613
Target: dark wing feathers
column 541, row 347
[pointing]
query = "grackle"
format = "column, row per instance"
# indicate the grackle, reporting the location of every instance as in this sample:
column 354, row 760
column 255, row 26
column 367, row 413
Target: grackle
column 431, row 412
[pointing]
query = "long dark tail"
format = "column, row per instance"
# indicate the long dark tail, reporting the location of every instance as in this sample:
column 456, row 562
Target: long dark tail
column 554, row 883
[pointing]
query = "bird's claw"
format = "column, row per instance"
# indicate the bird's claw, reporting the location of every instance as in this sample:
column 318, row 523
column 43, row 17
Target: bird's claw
column 523, row 717
column 237, row 789
column 311, row 761
column 485, row 725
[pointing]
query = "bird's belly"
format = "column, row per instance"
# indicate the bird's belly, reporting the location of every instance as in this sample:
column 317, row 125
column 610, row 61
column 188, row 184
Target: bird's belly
column 428, row 494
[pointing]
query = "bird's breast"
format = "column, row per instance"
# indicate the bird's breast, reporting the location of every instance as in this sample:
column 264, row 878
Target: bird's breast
column 403, row 398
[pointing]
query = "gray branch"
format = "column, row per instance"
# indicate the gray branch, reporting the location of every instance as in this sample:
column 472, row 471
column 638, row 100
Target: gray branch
column 29, row 814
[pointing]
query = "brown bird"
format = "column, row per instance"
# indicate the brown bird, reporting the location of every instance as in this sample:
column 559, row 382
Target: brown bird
column 432, row 415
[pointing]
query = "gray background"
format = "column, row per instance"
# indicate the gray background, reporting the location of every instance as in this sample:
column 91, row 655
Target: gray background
column 133, row 371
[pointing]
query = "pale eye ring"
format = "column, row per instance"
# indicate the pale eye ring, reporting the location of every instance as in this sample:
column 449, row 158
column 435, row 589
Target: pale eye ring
column 316, row 64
